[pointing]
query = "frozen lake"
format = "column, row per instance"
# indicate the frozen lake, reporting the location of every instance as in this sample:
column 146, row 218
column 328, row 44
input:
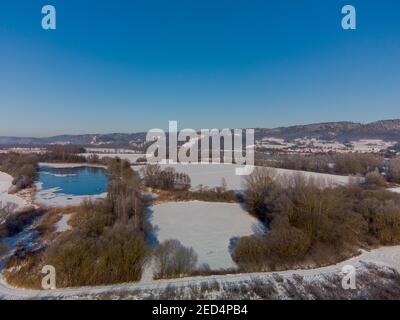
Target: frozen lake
column 69, row 185
column 74, row 181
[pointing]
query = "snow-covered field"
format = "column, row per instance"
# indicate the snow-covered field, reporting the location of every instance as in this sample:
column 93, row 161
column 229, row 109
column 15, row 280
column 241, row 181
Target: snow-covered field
column 211, row 175
column 5, row 184
column 371, row 145
column 209, row 228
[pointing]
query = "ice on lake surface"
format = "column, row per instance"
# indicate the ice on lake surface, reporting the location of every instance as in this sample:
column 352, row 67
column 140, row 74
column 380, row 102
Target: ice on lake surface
column 65, row 185
column 77, row 181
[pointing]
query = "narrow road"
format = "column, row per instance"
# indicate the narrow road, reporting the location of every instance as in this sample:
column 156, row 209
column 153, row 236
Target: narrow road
column 387, row 256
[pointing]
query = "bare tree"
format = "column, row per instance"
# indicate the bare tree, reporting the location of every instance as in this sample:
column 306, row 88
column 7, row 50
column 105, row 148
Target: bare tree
column 394, row 170
column 173, row 259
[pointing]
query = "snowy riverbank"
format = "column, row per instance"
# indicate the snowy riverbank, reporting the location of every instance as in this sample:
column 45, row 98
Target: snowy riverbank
column 5, row 197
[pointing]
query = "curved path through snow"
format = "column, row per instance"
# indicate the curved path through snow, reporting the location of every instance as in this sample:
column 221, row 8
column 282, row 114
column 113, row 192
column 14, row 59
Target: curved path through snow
column 386, row 256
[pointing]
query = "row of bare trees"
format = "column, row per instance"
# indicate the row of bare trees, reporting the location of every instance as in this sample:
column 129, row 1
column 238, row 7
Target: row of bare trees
column 346, row 163
column 22, row 167
column 124, row 192
column 166, row 179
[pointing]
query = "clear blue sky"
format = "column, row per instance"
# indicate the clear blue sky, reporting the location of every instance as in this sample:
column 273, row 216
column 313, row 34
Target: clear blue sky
column 126, row 66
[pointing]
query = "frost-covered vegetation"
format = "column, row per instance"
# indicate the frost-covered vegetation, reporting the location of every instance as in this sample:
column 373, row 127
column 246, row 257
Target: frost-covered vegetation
column 313, row 226
column 307, row 225
column 373, row 283
column 173, row 260
column 22, row 167
column 13, row 222
column 165, row 179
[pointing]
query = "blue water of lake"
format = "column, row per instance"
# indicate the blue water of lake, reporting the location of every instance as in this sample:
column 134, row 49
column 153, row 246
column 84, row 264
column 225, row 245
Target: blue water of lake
column 78, row 181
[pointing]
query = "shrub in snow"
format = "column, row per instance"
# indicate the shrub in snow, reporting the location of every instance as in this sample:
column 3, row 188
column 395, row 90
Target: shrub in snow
column 173, row 259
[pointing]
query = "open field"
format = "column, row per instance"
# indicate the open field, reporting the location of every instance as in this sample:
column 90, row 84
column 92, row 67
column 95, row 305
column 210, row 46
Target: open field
column 209, row 228
column 211, row 175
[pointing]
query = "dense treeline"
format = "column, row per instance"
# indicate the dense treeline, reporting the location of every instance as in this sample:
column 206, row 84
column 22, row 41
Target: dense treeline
column 394, row 170
column 344, row 164
column 22, row 167
column 355, row 163
column 311, row 226
column 101, row 250
column 167, row 179
column 124, row 193
column 210, row 195
column 315, row 163
column 63, row 153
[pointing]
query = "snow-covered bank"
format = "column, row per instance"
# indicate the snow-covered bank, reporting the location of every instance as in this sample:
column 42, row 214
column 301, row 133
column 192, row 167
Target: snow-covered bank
column 69, row 165
column 52, row 197
column 209, row 228
column 5, row 184
column 62, row 225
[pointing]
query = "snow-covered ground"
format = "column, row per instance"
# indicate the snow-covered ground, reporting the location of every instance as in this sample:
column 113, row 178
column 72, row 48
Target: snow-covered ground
column 395, row 189
column 371, row 145
column 211, row 175
column 52, row 197
column 62, row 225
column 313, row 145
column 69, row 165
column 385, row 256
column 209, row 228
column 5, row 184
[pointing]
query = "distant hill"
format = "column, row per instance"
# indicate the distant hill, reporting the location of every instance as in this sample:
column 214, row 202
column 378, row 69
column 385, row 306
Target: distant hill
column 112, row 140
column 388, row 130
